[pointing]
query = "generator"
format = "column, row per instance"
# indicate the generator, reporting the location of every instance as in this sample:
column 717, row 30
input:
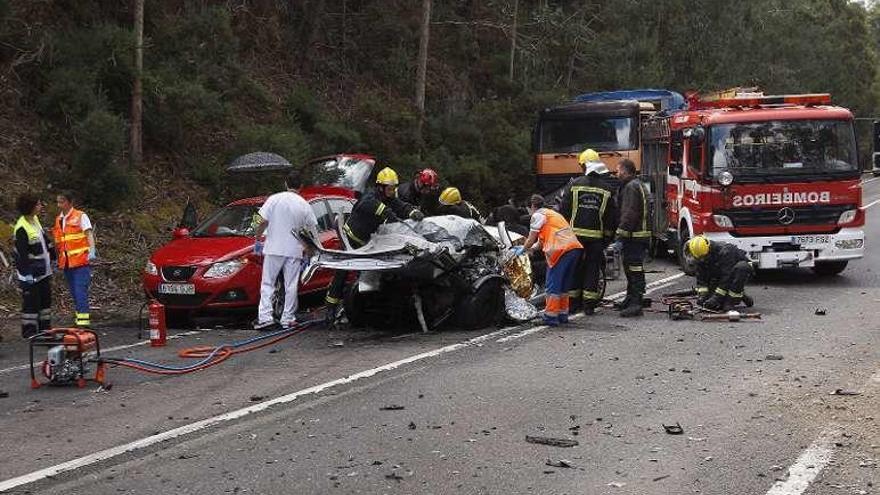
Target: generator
column 69, row 351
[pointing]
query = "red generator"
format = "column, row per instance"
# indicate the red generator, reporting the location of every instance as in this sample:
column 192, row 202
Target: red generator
column 69, row 350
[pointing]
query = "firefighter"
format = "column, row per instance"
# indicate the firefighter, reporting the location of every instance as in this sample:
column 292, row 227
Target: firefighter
column 562, row 250
column 422, row 192
column 452, row 204
column 633, row 235
column 722, row 273
column 33, row 266
column 75, row 243
column 374, row 208
column 588, row 204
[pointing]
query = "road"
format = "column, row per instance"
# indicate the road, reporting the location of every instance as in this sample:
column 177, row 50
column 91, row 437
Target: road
column 376, row 412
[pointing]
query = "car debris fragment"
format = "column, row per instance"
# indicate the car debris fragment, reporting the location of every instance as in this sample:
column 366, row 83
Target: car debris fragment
column 553, row 442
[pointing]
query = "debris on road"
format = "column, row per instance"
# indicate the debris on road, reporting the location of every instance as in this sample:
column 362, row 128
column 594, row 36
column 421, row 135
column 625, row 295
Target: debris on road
column 675, row 429
column 392, row 407
column 412, row 425
column 616, row 484
column 841, row 391
column 658, row 478
column 560, row 463
column 553, row 442
column 338, row 343
column 257, row 398
column 821, row 311
column 773, row 357
column 4, row 395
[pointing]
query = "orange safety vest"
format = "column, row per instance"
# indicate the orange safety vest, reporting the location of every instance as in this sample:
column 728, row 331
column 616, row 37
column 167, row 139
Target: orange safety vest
column 71, row 242
column 556, row 236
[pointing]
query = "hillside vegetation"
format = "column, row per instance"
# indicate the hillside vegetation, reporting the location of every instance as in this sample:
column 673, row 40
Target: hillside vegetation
column 304, row 78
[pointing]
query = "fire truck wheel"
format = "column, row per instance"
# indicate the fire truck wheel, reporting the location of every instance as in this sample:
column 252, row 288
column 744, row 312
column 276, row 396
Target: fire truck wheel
column 829, row 268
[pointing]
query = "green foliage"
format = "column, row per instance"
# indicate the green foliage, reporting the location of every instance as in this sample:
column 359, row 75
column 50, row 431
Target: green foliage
column 176, row 110
column 97, row 170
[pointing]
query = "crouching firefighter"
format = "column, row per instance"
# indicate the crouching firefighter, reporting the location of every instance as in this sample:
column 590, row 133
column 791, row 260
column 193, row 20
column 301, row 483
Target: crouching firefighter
column 722, row 273
column 562, row 250
column 634, row 235
column 589, row 205
column 375, row 207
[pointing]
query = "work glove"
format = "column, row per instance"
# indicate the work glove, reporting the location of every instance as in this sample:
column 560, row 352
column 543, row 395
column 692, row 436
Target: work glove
column 258, row 247
column 93, row 255
column 519, row 250
column 714, row 303
column 417, row 215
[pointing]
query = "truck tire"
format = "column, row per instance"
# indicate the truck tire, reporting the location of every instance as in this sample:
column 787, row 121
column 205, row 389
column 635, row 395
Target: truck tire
column 684, row 235
column 829, row 268
column 482, row 307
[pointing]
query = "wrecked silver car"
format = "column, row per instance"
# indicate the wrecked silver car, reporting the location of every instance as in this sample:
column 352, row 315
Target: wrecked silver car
column 442, row 270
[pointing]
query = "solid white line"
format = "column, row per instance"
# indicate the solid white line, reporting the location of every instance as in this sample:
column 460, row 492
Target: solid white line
column 872, row 203
column 111, row 349
column 207, row 423
column 655, row 285
column 807, row 466
column 868, row 181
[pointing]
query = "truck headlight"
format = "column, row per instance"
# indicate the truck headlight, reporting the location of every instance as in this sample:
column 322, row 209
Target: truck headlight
column 725, row 178
column 723, row 221
column 224, row 269
column 151, row 269
column 849, row 244
column 847, row 217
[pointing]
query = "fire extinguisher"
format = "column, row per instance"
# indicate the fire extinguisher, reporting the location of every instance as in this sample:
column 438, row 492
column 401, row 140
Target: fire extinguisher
column 158, row 329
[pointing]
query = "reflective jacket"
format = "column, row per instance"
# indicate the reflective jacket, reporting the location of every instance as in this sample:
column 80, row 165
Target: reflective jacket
column 31, row 259
column 717, row 265
column 71, row 242
column 635, row 211
column 369, row 212
column 556, row 236
column 589, row 204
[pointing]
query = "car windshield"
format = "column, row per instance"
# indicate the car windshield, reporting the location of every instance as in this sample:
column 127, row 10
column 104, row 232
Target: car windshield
column 598, row 133
column 760, row 150
column 230, row 221
column 348, row 172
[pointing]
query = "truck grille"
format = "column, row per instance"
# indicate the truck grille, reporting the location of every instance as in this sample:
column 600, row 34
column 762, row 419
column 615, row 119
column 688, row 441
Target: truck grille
column 803, row 215
column 177, row 273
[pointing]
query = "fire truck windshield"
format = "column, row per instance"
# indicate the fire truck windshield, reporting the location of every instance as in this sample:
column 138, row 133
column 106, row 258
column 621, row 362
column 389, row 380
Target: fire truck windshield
column 598, row 133
column 780, row 150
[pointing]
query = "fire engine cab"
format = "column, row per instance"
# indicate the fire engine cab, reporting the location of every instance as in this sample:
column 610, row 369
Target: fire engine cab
column 777, row 176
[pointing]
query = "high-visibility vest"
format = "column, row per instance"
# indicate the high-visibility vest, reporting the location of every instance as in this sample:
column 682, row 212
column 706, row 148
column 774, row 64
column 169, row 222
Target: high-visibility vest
column 37, row 260
column 71, row 242
column 556, row 236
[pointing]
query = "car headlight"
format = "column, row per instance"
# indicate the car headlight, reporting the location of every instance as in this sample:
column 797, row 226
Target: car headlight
column 725, row 178
column 723, row 221
column 151, row 268
column 847, row 217
column 224, row 269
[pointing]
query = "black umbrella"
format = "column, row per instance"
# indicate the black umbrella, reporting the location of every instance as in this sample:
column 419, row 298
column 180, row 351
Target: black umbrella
column 258, row 161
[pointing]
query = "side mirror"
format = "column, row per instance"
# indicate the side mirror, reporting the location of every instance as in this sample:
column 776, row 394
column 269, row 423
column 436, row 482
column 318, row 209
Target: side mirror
column 676, row 169
column 179, row 233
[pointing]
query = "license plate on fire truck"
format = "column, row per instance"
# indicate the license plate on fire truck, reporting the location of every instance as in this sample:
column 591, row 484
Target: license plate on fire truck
column 810, row 239
column 178, row 289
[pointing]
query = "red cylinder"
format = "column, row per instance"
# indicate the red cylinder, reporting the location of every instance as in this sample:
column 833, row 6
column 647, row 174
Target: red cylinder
column 158, row 329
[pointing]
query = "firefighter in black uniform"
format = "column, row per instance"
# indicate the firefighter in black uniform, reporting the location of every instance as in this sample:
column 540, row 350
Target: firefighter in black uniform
column 634, row 235
column 422, row 192
column 588, row 203
column 452, row 204
column 374, row 208
column 34, row 251
column 722, row 273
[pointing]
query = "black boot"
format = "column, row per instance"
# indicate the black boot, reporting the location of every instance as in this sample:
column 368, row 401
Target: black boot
column 730, row 303
column 622, row 304
column 634, row 308
column 748, row 301
column 589, row 308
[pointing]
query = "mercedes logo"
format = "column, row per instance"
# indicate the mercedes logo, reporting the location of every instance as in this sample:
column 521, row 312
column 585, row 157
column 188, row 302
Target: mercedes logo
column 178, row 272
column 785, row 216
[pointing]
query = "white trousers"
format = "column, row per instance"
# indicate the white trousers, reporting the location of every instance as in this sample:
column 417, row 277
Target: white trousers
column 272, row 266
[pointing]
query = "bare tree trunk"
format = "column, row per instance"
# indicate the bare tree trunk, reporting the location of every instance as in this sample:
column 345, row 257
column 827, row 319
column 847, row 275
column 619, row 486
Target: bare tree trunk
column 422, row 71
column 513, row 40
column 137, row 106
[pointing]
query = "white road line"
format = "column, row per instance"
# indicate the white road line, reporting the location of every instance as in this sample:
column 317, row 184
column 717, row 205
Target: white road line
column 807, row 466
column 872, row 203
column 868, row 181
column 112, row 349
column 209, row 422
column 655, row 285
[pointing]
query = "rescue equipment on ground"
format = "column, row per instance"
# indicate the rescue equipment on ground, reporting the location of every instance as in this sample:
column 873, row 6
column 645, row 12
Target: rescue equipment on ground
column 158, row 328
column 69, row 350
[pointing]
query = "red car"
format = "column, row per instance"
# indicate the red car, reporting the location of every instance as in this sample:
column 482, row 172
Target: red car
column 213, row 269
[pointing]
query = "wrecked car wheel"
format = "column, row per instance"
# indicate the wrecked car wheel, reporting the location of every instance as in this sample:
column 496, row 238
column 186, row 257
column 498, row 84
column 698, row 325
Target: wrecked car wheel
column 482, row 307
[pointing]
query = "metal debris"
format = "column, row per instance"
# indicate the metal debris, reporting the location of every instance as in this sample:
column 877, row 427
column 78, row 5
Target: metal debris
column 821, row 311
column 392, row 407
column 560, row 463
column 841, row 391
column 675, row 429
column 553, row 442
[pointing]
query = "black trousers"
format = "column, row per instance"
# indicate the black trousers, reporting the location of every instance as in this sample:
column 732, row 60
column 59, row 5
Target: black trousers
column 587, row 273
column 733, row 284
column 634, row 253
column 337, row 287
column 36, row 307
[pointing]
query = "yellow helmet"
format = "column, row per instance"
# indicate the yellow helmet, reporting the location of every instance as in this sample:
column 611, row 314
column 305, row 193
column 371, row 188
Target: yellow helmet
column 588, row 155
column 450, row 196
column 387, row 177
column 698, row 247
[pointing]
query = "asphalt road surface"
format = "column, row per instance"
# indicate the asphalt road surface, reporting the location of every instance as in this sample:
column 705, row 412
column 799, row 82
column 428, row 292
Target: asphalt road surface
column 377, row 412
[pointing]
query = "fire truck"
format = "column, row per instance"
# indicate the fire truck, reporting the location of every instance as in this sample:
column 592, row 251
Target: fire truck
column 778, row 176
